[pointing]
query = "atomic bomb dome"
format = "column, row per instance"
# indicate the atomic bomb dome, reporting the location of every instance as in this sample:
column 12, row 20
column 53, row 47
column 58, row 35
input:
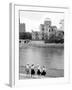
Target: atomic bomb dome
column 47, row 21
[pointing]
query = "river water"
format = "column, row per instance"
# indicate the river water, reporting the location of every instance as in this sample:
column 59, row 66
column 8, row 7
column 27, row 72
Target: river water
column 52, row 58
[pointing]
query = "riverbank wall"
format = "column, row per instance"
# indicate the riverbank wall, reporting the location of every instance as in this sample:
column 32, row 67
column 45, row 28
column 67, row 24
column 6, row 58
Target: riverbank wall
column 45, row 45
column 41, row 44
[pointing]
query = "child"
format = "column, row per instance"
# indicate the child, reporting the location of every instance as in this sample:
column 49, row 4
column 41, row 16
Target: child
column 43, row 71
column 27, row 69
column 38, row 70
column 32, row 70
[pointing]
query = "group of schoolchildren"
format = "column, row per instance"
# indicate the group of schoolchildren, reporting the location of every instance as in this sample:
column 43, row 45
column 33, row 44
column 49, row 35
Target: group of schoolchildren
column 35, row 70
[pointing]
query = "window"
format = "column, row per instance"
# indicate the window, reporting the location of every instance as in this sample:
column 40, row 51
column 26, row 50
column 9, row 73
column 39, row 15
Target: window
column 49, row 30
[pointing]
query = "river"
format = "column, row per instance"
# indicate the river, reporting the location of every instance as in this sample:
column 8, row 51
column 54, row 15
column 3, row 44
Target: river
column 52, row 58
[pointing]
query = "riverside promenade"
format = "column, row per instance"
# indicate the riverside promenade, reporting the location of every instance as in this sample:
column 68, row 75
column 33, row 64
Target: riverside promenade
column 51, row 73
column 41, row 44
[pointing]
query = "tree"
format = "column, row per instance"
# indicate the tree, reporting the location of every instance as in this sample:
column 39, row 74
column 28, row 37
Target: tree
column 25, row 35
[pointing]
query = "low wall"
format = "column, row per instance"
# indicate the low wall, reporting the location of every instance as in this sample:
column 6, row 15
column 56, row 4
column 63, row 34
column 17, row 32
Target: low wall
column 42, row 44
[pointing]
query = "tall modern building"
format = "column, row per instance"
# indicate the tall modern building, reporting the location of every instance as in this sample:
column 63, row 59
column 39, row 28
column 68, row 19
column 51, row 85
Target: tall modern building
column 21, row 26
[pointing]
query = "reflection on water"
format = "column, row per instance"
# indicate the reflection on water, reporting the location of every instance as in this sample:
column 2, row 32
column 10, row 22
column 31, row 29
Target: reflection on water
column 50, row 57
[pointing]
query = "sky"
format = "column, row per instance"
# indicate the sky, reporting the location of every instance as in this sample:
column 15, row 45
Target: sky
column 33, row 19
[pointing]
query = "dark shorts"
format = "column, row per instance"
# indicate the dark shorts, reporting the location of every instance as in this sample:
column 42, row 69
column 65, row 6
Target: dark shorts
column 43, row 73
column 38, row 72
column 32, row 71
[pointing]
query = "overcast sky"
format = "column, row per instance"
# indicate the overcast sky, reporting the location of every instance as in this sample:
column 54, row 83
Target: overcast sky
column 33, row 20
